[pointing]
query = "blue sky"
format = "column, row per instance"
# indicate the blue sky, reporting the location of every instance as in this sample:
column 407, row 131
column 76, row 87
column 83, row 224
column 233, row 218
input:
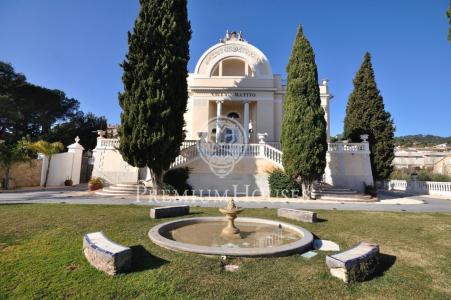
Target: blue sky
column 76, row 46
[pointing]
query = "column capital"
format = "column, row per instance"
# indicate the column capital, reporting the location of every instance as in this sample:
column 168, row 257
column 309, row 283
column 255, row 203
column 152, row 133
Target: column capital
column 219, row 101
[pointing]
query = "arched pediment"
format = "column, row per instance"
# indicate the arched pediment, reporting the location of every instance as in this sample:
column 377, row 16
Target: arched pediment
column 244, row 51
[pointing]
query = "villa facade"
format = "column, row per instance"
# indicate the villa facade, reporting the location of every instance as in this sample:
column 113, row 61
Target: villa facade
column 233, row 79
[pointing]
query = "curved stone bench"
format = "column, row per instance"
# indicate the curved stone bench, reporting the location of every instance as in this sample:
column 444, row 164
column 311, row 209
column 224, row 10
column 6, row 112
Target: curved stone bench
column 106, row 255
column 354, row 264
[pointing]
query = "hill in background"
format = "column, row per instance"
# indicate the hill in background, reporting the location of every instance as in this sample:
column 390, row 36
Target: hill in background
column 420, row 140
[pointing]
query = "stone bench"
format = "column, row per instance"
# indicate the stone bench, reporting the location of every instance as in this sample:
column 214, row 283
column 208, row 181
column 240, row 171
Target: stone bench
column 297, row 215
column 354, row 264
column 105, row 255
column 169, row 211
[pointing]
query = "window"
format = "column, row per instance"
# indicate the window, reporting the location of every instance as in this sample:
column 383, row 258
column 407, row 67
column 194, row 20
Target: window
column 233, row 67
column 233, row 115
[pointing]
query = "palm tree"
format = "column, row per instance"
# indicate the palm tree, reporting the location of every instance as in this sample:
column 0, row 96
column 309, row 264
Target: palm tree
column 48, row 149
column 10, row 154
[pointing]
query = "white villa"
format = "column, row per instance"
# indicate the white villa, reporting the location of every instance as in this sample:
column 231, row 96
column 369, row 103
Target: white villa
column 234, row 79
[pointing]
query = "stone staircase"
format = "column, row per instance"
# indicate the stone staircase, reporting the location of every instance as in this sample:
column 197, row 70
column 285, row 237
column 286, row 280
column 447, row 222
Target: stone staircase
column 340, row 194
column 121, row 190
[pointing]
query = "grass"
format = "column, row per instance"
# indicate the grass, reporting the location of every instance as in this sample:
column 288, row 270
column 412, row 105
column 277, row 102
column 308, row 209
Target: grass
column 41, row 257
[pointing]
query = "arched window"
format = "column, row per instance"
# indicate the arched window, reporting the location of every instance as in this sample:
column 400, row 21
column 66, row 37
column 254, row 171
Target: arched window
column 232, row 67
column 233, row 115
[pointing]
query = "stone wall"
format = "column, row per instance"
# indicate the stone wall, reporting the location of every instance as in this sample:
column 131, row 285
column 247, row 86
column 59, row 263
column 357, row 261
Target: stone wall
column 24, row 174
column 248, row 175
column 109, row 164
column 349, row 169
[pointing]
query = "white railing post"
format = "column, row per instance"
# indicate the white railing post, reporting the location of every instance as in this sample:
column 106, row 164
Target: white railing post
column 262, row 144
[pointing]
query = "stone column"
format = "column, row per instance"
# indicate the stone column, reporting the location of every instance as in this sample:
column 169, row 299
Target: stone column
column 246, row 121
column 218, row 118
column 326, row 96
column 77, row 151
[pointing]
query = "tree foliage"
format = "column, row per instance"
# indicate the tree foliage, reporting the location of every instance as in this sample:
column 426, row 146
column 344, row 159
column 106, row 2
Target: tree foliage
column 448, row 15
column 366, row 114
column 10, row 154
column 81, row 125
column 155, row 89
column 304, row 139
column 28, row 109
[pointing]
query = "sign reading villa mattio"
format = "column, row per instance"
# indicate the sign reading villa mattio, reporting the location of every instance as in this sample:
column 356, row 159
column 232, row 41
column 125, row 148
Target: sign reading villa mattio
column 234, row 94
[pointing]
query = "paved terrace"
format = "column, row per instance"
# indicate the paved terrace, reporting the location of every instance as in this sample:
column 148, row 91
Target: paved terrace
column 390, row 201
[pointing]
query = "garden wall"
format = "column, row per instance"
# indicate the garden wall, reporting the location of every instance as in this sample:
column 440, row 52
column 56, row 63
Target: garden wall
column 24, row 174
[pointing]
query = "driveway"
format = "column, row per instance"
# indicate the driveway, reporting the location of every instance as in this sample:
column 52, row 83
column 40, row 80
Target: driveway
column 390, row 201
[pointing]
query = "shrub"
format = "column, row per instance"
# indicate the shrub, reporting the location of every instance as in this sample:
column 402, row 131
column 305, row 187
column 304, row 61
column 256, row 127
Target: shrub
column 400, row 175
column 177, row 180
column 282, row 185
column 370, row 190
column 95, row 183
column 422, row 175
column 429, row 176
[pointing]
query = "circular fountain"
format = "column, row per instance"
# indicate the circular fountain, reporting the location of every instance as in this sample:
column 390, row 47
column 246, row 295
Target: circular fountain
column 242, row 237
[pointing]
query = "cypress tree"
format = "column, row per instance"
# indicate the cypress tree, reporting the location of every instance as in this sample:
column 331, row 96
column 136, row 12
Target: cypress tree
column 448, row 15
column 303, row 139
column 155, row 88
column 365, row 114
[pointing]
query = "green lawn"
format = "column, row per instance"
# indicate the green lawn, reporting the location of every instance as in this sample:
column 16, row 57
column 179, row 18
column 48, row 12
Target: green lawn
column 41, row 257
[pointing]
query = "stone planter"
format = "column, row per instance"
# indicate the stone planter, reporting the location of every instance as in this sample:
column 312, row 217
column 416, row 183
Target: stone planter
column 94, row 186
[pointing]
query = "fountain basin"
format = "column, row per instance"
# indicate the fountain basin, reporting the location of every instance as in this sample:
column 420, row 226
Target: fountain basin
column 261, row 237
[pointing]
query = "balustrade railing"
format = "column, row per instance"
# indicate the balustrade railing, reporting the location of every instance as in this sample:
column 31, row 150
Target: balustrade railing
column 421, row 187
column 273, row 154
column 109, row 143
column 274, row 144
column 348, row 147
column 192, row 150
column 270, row 150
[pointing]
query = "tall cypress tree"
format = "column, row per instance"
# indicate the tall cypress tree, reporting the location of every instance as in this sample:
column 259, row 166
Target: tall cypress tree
column 448, row 15
column 304, row 139
column 155, row 88
column 365, row 114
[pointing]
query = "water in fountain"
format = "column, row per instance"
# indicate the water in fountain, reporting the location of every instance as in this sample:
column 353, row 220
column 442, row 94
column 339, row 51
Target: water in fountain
column 252, row 235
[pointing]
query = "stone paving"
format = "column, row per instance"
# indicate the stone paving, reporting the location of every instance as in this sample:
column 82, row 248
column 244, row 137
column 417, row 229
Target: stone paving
column 390, row 201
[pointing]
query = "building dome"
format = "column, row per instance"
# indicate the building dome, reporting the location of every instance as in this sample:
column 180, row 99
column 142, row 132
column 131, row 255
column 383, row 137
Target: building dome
column 233, row 56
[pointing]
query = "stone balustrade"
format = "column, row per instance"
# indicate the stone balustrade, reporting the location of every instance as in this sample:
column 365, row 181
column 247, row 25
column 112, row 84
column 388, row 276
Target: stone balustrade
column 269, row 150
column 108, row 143
column 348, row 147
column 260, row 150
column 421, row 187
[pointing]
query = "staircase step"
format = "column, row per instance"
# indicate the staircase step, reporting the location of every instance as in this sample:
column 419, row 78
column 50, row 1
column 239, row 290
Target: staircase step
column 348, row 198
column 131, row 184
column 338, row 192
column 103, row 193
column 125, row 188
column 108, row 190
